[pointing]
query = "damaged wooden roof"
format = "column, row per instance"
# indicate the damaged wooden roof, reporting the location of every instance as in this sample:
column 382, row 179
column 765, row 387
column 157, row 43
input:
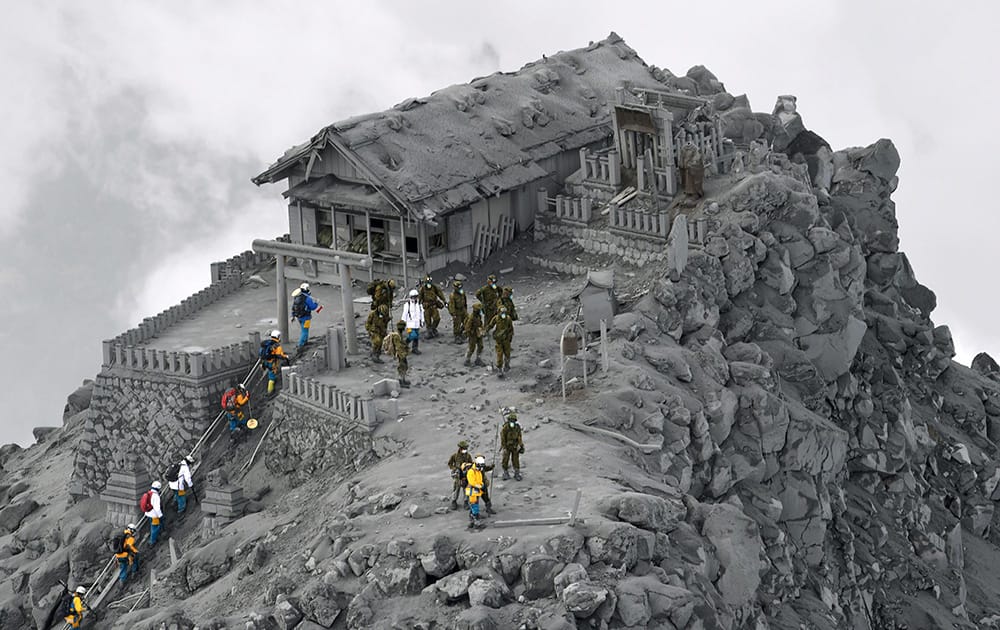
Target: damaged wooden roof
column 465, row 142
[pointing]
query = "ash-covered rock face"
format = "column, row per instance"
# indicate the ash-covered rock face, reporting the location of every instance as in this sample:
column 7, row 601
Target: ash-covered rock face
column 801, row 451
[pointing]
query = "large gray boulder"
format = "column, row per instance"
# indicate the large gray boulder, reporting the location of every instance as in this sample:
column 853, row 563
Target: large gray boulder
column 538, row 573
column 12, row 515
column 209, row 563
column 583, row 598
column 398, row 576
column 485, row 592
column 440, row 560
column 739, row 549
column 644, row 510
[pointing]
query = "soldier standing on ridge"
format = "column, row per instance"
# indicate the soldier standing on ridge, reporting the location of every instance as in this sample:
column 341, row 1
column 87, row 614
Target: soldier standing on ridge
column 432, row 299
column 503, row 336
column 384, row 294
column 394, row 346
column 457, row 463
column 376, row 326
column 506, row 299
column 458, row 308
column 474, row 333
column 512, row 444
column 489, row 296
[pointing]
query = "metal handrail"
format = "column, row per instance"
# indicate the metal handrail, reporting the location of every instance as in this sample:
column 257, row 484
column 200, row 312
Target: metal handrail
column 165, row 497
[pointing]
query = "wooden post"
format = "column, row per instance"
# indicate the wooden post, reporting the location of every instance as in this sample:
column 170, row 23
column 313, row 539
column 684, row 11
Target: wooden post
column 422, row 242
column 347, row 300
column 368, row 235
column 604, row 345
column 279, row 270
column 174, row 556
column 402, row 243
column 576, row 508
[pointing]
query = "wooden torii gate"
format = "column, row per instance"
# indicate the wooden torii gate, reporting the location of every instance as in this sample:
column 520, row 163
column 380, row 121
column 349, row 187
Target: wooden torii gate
column 343, row 260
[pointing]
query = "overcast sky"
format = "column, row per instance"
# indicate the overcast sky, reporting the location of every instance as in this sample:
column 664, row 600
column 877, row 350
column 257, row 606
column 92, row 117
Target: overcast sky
column 130, row 129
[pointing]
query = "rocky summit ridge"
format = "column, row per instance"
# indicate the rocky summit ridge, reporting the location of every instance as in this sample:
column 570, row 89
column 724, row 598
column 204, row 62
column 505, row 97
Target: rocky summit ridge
column 796, row 448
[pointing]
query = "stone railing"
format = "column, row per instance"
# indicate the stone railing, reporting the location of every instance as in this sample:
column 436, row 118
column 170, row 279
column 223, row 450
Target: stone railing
column 639, row 222
column 238, row 264
column 602, row 168
column 151, row 327
column 185, row 364
column 330, row 398
column 571, row 209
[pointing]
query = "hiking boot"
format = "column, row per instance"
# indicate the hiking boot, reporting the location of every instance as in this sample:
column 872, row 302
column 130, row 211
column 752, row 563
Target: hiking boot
column 478, row 362
column 468, row 362
column 499, row 372
column 506, row 475
column 404, row 383
column 453, row 506
column 376, row 358
column 517, row 474
column 489, row 508
column 416, row 347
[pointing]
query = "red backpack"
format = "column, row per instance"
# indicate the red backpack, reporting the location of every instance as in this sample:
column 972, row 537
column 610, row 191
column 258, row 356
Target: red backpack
column 146, row 502
column 229, row 399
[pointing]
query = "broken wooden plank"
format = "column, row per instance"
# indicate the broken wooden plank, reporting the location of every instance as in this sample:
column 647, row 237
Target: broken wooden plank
column 552, row 520
column 645, row 448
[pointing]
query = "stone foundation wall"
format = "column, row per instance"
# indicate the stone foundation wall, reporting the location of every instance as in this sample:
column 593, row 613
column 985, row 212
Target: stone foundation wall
column 149, row 418
column 633, row 250
column 308, row 439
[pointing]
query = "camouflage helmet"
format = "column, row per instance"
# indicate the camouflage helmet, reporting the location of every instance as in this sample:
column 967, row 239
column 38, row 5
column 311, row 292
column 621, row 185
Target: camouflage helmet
column 508, row 290
column 427, row 279
column 401, row 325
column 457, row 284
column 383, row 310
column 392, row 283
column 477, row 306
column 491, row 278
column 503, row 309
column 463, row 444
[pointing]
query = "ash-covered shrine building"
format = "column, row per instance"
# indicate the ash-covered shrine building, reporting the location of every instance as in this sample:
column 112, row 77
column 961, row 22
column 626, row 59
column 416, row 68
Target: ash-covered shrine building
column 454, row 176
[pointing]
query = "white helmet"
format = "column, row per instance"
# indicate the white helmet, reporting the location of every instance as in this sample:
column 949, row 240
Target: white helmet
column 304, row 286
column 130, row 527
column 156, row 485
column 480, row 460
column 80, row 590
column 413, row 293
column 275, row 334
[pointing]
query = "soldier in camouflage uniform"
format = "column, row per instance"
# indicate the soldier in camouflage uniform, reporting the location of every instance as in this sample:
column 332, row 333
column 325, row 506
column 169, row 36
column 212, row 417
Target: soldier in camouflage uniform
column 395, row 346
column 384, row 294
column 512, row 444
column 489, row 296
column 456, row 464
column 474, row 333
column 503, row 335
column 459, row 309
column 376, row 326
column 507, row 299
column 432, row 299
